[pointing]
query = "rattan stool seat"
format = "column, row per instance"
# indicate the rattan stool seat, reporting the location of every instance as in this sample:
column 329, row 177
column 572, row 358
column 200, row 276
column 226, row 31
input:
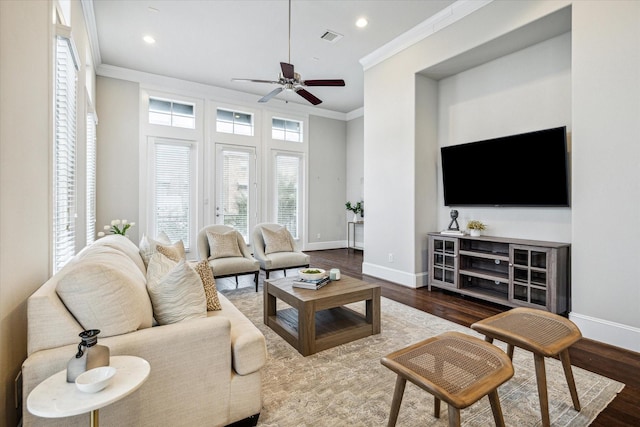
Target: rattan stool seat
column 454, row 367
column 544, row 334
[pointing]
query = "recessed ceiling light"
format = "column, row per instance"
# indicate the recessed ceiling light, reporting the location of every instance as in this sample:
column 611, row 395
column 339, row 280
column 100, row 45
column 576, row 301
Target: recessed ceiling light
column 361, row 23
column 149, row 39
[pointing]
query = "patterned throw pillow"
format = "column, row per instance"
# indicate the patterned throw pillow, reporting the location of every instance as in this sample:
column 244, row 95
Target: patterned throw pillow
column 276, row 241
column 174, row 252
column 209, row 284
column 223, row 245
column 175, row 290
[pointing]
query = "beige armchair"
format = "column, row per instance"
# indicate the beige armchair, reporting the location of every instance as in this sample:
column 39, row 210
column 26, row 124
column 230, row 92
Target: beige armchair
column 275, row 249
column 227, row 253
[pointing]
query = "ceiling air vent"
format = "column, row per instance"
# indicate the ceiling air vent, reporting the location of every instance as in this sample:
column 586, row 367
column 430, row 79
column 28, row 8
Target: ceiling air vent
column 331, row 36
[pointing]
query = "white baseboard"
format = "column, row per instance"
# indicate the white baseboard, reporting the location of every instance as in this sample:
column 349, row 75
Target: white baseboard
column 320, row 246
column 410, row 280
column 608, row 332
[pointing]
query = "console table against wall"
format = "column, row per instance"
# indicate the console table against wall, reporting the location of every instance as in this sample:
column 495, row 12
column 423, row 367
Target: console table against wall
column 511, row 272
column 351, row 230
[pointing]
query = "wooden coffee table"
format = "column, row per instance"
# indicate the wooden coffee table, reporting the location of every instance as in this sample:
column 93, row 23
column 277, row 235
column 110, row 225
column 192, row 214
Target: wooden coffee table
column 317, row 319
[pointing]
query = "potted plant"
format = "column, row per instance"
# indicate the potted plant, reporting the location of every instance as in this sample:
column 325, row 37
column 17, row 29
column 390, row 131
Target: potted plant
column 475, row 227
column 356, row 209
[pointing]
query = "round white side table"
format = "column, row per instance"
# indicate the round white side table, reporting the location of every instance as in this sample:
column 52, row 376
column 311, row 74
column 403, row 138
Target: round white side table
column 56, row 398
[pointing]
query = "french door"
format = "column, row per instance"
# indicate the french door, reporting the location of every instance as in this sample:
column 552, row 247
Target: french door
column 235, row 183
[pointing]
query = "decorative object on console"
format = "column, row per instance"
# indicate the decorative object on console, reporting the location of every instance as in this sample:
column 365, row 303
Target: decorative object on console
column 92, row 356
column 475, row 227
column 334, row 274
column 356, row 209
column 453, row 225
column 118, row 226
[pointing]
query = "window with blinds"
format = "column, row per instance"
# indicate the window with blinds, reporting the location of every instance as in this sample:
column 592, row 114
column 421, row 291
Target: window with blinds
column 173, row 188
column 64, row 179
column 286, row 130
column 288, row 191
column 91, row 178
column 234, row 191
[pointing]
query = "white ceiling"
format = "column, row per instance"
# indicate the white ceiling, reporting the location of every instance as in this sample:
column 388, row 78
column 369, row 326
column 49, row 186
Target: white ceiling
column 213, row 41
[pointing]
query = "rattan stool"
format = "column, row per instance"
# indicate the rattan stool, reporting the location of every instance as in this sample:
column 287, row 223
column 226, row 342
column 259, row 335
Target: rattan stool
column 454, row 367
column 542, row 333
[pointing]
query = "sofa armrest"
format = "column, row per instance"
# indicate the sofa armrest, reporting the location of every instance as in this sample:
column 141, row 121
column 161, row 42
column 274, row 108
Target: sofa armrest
column 193, row 357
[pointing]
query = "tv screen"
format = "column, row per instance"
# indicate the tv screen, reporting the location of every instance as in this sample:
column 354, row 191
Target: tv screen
column 528, row 169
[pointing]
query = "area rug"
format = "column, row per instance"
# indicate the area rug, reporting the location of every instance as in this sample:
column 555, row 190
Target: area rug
column 347, row 385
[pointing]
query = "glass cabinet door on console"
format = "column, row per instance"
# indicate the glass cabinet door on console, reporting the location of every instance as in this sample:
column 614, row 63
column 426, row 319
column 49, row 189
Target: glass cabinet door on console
column 443, row 261
column 530, row 276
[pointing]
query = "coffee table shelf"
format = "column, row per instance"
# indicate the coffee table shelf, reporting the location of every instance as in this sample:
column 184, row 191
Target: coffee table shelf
column 316, row 320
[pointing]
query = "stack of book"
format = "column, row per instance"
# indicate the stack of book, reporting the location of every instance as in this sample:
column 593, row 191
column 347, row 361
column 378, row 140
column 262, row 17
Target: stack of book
column 310, row 284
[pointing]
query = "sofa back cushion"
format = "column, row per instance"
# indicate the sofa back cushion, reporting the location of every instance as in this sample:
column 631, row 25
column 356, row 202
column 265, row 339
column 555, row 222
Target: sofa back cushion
column 106, row 290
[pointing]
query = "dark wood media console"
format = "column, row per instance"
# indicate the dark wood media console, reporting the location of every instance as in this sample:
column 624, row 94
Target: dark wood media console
column 511, row 272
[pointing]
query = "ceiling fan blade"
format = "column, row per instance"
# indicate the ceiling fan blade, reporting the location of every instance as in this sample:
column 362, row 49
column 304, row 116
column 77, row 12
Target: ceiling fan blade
column 323, row 83
column 287, row 70
column 308, row 96
column 270, row 95
column 254, row 81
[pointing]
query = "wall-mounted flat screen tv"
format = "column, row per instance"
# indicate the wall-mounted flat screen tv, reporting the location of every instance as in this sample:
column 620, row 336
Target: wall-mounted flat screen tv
column 528, row 169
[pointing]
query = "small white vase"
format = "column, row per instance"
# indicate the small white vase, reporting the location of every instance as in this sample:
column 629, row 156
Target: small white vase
column 355, row 217
column 474, row 233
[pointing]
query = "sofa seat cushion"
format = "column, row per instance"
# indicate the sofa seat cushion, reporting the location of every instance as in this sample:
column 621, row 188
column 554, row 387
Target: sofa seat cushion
column 278, row 260
column 105, row 290
column 233, row 265
column 248, row 346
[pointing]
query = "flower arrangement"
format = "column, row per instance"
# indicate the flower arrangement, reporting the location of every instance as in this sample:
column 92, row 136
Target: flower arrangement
column 356, row 209
column 117, row 227
column 476, row 225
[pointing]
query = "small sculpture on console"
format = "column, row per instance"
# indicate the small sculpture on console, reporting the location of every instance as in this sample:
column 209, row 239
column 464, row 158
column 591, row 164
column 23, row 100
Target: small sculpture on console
column 453, row 225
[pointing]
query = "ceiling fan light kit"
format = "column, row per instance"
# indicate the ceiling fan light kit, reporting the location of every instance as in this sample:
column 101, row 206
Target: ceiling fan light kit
column 291, row 81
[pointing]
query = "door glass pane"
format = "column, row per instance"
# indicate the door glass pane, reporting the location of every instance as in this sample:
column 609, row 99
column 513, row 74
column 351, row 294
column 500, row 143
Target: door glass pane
column 538, row 259
column 449, row 246
column 448, row 261
column 438, row 259
column 234, row 204
column 438, row 274
column 448, row 276
column 538, row 296
column 437, row 245
column 539, row 278
column 521, row 275
column 520, row 257
column 287, row 189
column 520, row 293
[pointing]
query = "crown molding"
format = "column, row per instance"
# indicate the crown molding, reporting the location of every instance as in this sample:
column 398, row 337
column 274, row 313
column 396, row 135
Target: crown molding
column 432, row 25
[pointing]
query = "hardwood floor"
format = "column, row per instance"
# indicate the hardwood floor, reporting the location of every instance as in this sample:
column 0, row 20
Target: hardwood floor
column 606, row 360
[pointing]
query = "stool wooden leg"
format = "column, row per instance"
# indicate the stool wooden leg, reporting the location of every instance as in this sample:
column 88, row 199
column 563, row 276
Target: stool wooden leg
column 436, row 407
column 401, row 382
column 496, row 408
column 510, row 351
column 454, row 416
column 488, row 339
column 541, row 377
column 568, row 373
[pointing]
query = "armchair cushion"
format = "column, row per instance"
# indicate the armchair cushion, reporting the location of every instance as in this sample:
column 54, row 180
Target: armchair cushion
column 223, row 245
column 276, row 240
column 175, row 289
column 233, row 265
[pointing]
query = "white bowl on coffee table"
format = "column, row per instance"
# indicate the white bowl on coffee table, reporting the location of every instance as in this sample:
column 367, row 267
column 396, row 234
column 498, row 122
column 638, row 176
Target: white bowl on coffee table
column 312, row 276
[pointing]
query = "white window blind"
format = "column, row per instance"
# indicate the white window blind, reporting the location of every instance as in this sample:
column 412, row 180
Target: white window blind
column 235, row 190
column 287, row 191
column 91, row 178
column 64, row 180
column 173, row 191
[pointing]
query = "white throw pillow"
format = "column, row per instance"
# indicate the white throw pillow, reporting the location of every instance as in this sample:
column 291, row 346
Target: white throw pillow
column 276, row 240
column 148, row 246
column 223, row 245
column 175, row 289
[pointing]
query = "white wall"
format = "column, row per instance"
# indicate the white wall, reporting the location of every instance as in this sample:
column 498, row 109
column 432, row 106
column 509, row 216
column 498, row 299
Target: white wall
column 355, row 172
column 118, row 153
column 327, row 182
column 525, row 91
column 604, row 125
column 606, row 171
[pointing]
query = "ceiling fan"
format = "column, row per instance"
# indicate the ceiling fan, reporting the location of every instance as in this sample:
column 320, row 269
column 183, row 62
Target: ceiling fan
column 291, row 81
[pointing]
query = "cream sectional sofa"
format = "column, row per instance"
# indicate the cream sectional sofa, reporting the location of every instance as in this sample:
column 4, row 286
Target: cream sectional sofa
column 204, row 371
